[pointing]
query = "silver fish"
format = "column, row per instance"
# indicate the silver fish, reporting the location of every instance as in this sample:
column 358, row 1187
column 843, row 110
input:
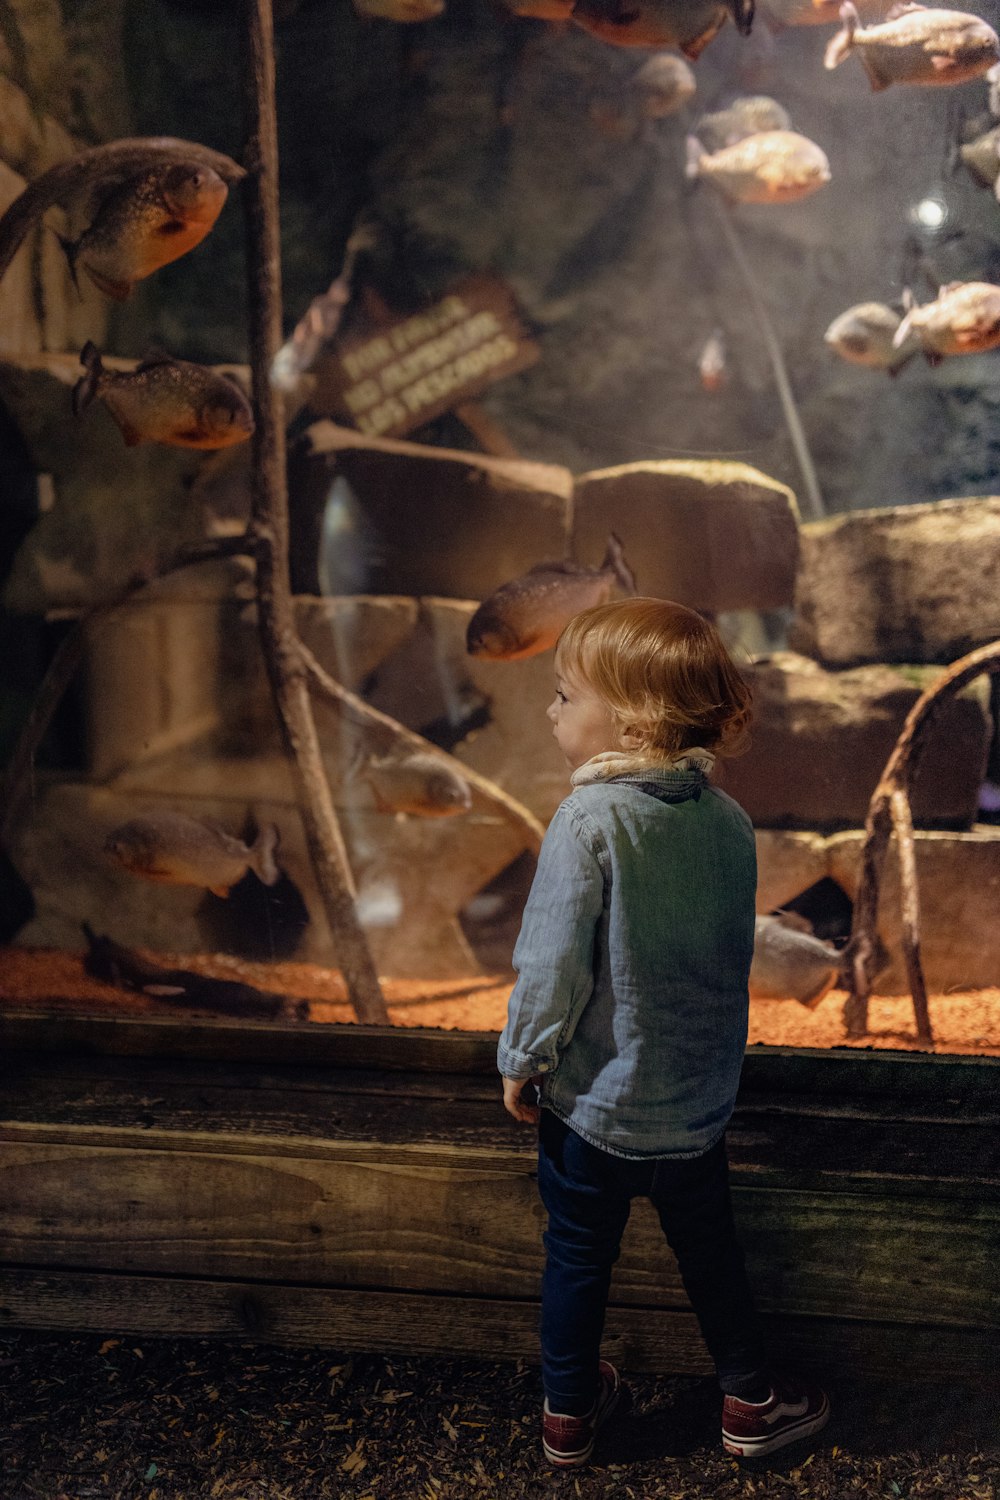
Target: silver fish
column 863, row 335
column 916, row 44
column 419, row 783
column 774, row 166
column 791, row 965
column 528, row 614
column 748, row 115
column 663, row 85
column 964, row 318
column 173, row 849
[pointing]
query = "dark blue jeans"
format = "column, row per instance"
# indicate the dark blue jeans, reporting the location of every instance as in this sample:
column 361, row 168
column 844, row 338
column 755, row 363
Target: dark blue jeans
column 588, row 1194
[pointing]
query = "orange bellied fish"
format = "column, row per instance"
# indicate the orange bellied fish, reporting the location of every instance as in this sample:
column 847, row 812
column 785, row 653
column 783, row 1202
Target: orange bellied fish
column 165, row 400
column 773, row 166
column 964, row 318
column 688, row 25
column 749, row 115
column 144, row 223
column 417, row 782
column 916, row 44
column 173, row 849
column 864, row 334
column 528, row 614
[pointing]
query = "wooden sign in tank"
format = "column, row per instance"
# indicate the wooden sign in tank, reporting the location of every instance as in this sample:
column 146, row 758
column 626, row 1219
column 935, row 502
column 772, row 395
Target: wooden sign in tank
column 402, row 372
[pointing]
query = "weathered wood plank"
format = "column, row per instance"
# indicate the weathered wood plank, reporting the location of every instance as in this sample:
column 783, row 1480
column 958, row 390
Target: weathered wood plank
column 639, row 1338
column 794, row 1147
column 459, row 1225
column 835, row 1071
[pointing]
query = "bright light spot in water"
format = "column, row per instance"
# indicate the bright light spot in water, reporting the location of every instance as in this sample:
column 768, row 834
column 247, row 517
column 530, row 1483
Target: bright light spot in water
column 929, row 213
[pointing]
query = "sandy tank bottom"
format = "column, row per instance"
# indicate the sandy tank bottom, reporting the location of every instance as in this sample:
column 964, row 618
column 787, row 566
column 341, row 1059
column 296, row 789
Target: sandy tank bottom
column 966, row 1021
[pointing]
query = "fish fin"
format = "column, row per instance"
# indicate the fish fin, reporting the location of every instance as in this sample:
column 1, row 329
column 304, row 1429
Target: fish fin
column 153, row 357
column 88, row 385
column 695, row 153
column 907, row 299
column 118, row 291
column 904, row 330
column 265, row 847
column 220, row 890
column 133, row 437
column 614, row 558
column 839, row 46
column 996, row 188
column 163, row 991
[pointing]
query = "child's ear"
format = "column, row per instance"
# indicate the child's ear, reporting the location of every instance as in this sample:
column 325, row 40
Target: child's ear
column 629, row 739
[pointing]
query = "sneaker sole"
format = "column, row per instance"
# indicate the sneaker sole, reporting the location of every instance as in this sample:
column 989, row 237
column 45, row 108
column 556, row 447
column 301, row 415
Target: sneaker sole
column 748, row 1447
column 574, row 1460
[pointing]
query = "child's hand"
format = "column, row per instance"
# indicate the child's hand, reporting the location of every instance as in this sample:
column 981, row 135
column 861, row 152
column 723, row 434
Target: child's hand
column 514, row 1104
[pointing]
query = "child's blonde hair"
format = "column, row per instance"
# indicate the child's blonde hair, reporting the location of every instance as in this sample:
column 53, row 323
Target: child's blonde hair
column 663, row 671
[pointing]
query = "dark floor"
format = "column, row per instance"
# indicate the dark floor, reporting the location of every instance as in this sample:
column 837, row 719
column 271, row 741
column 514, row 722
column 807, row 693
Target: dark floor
column 157, row 1419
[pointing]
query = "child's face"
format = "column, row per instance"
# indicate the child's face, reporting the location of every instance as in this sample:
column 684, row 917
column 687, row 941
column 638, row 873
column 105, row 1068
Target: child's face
column 582, row 723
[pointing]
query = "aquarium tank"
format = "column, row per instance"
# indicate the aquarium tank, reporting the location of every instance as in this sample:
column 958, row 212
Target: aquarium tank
column 347, row 353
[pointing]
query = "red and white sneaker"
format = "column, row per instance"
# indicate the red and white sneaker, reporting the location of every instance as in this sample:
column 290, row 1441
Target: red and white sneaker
column 569, row 1441
column 794, row 1409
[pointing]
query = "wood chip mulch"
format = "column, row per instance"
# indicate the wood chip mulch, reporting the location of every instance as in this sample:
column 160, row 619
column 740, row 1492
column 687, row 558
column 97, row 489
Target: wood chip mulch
column 122, row 1418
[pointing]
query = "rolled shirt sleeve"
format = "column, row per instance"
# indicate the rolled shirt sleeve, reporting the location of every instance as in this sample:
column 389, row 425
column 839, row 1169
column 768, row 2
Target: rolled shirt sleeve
column 554, row 955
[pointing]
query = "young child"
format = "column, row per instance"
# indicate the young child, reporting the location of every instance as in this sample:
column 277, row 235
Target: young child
column 630, row 1011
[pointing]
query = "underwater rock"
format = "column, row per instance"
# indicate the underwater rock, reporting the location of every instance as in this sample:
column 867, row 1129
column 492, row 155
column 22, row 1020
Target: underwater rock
column 831, row 733
column 712, row 535
column 467, row 522
column 958, row 876
column 787, row 864
column 910, row 583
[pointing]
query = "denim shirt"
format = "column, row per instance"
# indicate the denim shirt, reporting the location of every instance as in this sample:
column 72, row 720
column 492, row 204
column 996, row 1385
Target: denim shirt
column 633, row 960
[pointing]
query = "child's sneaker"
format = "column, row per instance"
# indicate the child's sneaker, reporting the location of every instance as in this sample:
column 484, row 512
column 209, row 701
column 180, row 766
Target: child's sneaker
column 793, row 1410
column 569, row 1441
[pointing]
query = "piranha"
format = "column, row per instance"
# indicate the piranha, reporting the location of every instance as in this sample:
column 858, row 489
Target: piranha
column 774, row 166
column 916, row 44
column 964, row 318
column 712, row 369
column 144, row 223
column 419, row 783
column 981, row 158
column 165, row 400
column 791, row 965
column 688, row 25
column 749, row 115
column 528, row 614
column 173, row 849
column 663, row 85
column 863, row 335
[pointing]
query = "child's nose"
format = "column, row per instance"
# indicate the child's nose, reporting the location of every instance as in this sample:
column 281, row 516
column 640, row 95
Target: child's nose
column 550, row 712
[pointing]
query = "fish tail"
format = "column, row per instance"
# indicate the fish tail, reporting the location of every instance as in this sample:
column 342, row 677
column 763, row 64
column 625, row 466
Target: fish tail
column 264, row 849
column 695, row 152
column 88, row 385
column 614, row 558
column 840, row 45
column 904, row 330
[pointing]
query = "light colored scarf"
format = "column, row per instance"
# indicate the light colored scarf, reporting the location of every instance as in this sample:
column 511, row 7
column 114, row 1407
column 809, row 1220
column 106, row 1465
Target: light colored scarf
column 611, row 763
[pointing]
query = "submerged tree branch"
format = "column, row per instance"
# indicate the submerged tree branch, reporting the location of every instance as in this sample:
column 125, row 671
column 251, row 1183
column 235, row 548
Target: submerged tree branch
column 279, row 639
column 888, row 812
